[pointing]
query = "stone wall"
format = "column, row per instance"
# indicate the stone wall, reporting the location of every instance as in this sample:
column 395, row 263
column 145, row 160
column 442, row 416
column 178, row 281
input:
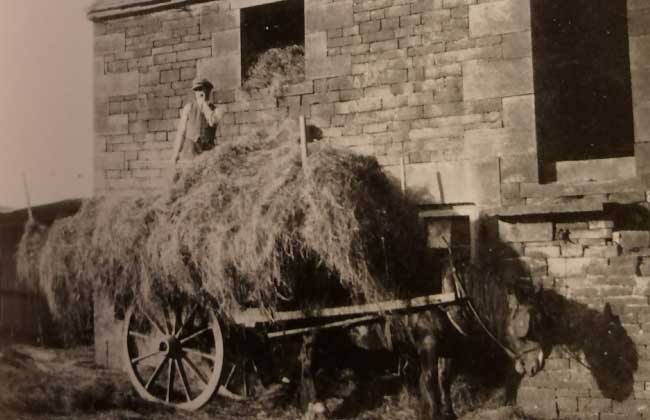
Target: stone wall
column 599, row 364
column 430, row 81
column 447, row 87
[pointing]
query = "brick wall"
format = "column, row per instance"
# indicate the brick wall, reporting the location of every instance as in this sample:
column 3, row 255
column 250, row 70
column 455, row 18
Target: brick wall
column 445, row 85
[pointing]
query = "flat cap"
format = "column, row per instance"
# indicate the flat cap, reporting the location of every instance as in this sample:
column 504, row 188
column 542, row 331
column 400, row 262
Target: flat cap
column 202, row 84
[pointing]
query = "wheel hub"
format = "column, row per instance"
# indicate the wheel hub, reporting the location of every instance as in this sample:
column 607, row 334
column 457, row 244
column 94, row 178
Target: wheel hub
column 172, row 346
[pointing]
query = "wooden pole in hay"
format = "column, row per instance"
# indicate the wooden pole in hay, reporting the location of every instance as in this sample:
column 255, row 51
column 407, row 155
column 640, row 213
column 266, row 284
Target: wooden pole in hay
column 303, row 144
column 402, row 173
column 27, row 198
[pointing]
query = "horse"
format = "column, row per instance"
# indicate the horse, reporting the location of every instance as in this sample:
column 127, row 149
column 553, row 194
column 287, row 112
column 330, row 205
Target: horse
column 505, row 312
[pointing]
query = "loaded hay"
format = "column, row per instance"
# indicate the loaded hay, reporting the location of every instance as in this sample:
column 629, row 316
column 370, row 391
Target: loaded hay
column 276, row 67
column 242, row 226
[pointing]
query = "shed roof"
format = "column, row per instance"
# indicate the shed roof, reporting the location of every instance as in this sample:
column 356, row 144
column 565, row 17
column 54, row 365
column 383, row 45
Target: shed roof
column 44, row 213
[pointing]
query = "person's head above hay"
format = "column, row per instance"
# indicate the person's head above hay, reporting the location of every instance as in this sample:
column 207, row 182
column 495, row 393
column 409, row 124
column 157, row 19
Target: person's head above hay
column 198, row 123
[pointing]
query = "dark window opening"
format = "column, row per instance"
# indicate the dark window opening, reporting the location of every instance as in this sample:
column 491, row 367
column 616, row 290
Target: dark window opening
column 583, row 96
column 449, row 232
column 268, row 26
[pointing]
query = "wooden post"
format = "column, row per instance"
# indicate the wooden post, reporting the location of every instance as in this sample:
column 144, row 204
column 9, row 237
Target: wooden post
column 29, row 201
column 303, row 144
column 402, row 173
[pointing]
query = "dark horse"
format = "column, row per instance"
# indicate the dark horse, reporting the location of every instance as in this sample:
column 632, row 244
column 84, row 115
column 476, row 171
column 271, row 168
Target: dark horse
column 486, row 305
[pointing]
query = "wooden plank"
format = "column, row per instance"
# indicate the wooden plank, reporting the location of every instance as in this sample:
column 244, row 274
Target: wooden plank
column 250, row 317
column 335, row 324
column 116, row 9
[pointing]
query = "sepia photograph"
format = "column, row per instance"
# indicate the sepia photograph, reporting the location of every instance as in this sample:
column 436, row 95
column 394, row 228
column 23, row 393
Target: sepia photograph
column 325, row 209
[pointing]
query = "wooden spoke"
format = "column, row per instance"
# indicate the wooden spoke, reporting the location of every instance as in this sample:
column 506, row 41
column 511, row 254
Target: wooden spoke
column 155, row 374
column 187, row 321
column 196, row 334
column 169, row 326
column 154, row 323
column 181, row 372
column 170, row 380
column 195, row 369
column 146, row 356
column 200, row 353
column 138, row 335
column 230, row 375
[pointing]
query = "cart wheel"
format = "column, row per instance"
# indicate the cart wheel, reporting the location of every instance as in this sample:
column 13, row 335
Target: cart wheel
column 174, row 358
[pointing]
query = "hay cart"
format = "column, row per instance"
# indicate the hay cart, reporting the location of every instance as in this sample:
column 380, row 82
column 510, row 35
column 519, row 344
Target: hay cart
column 183, row 358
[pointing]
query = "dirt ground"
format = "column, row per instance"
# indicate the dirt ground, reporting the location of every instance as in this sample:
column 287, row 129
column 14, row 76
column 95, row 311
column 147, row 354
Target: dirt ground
column 38, row 383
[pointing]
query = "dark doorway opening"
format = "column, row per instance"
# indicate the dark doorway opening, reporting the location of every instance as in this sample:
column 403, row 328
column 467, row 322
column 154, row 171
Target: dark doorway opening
column 273, row 25
column 581, row 65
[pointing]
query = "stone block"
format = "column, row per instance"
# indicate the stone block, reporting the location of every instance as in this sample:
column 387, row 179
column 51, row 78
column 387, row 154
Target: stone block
column 632, row 408
column 117, row 84
column 110, row 44
column 542, row 251
column 624, row 265
column 216, row 22
column 640, row 51
column 594, row 405
column 510, row 193
column 495, row 79
column 315, row 45
column 194, row 54
column 572, row 267
column 525, row 232
column 168, row 76
column 110, row 160
column 521, row 168
column 642, row 122
column 595, row 170
column 627, row 197
column 224, row 72
column 602, row 251
column 225, row 42
column 517, row 45
column 303, row 88
column 499, row 17
column 537, row 400
column 519, row 112
column 571, row 250
column 361, row 105
column 590, row 234
column 325, row 16
column 522, row 268
column 642, row 155
column 631, row 240
column 337, row 65
column 640, row 84
column 457, row 182
column 112, row 125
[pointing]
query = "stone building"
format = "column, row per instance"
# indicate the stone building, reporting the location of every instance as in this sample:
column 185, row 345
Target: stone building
column 523, row 125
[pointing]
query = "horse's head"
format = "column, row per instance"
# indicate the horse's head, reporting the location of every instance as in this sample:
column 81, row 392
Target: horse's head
column 523, row 334
column 510, row 311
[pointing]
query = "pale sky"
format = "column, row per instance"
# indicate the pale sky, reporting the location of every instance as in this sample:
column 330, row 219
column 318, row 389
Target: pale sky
column 45, row 100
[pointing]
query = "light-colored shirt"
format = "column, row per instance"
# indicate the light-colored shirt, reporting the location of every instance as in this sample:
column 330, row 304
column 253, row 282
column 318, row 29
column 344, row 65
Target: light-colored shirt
column 212, row 117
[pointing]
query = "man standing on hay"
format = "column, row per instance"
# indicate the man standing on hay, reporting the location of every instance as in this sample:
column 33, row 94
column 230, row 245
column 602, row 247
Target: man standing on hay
column 198, row 123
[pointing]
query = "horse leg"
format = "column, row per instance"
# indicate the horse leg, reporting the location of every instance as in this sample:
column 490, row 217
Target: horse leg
column 429, row 395
column 307, row 387
column 444, row 381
